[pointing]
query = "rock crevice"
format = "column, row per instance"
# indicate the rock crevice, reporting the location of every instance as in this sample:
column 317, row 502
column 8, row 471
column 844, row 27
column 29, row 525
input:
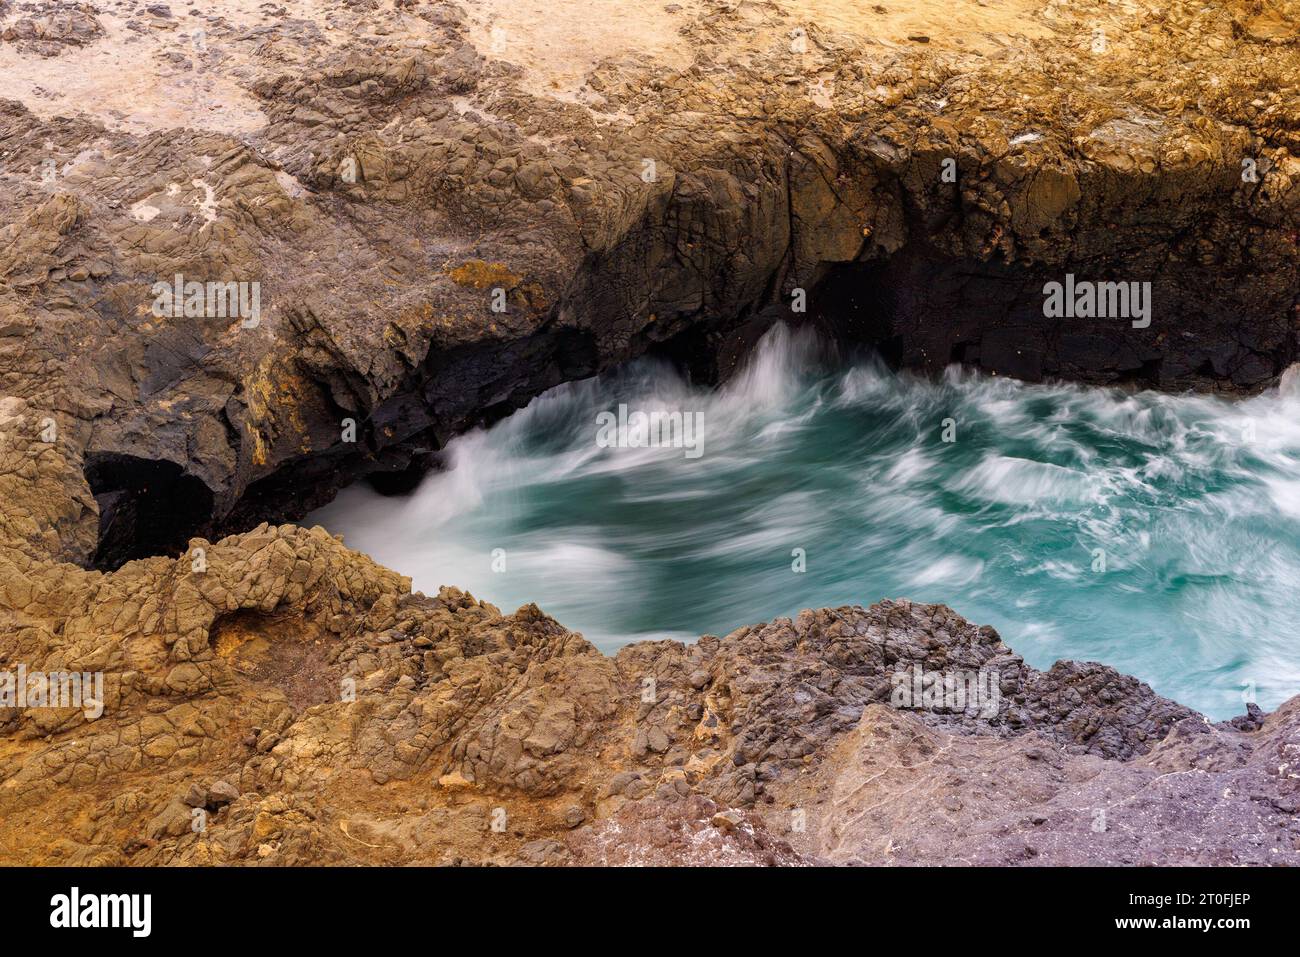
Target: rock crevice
column 443, row 221
column 442, row 215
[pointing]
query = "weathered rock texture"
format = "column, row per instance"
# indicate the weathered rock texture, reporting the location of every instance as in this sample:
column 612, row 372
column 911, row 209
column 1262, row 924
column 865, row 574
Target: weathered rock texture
column 292, row 702
column 664, row 181
column 654, row 178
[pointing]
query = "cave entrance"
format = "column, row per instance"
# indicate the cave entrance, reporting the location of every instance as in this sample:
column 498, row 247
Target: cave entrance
column 922, row 309
column 146, row 507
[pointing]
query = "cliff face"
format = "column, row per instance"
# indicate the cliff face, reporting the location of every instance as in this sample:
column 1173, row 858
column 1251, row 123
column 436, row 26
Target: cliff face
column 290, row 702
column 447, row 209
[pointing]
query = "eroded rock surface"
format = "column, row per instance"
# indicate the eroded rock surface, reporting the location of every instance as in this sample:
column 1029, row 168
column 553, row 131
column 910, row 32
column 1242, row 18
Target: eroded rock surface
column 648, row 180
column 655, row 178
column 897, row 792
column 285, row 700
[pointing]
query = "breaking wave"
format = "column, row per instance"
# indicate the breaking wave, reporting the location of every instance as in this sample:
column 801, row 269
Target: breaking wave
column 1156, row 533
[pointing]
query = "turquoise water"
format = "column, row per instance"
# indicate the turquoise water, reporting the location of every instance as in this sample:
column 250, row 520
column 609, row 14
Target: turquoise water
column 1159, row 534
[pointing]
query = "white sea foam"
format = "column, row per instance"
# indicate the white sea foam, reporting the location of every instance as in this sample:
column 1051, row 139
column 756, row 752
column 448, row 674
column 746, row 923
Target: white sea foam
column 1157, row 533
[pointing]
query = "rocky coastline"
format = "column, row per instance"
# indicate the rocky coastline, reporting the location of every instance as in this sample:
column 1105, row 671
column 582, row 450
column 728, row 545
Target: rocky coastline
column 444, row 219
column 312, row 710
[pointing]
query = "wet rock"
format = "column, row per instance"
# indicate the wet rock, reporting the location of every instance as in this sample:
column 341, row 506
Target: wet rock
column 1252, row 720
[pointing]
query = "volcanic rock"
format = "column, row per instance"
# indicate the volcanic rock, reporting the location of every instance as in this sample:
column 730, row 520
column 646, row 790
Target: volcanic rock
column 446, row 210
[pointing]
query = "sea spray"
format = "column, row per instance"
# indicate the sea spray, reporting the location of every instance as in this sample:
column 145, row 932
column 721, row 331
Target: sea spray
column 1159, row 534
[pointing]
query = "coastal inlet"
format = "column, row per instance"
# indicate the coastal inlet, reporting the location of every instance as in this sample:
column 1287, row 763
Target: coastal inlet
column 1159, row 534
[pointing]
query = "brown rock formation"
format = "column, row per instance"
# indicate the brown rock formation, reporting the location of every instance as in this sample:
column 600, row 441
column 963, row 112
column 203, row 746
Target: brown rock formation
column 448, row 209
column 276, row 698
column 389, row 173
